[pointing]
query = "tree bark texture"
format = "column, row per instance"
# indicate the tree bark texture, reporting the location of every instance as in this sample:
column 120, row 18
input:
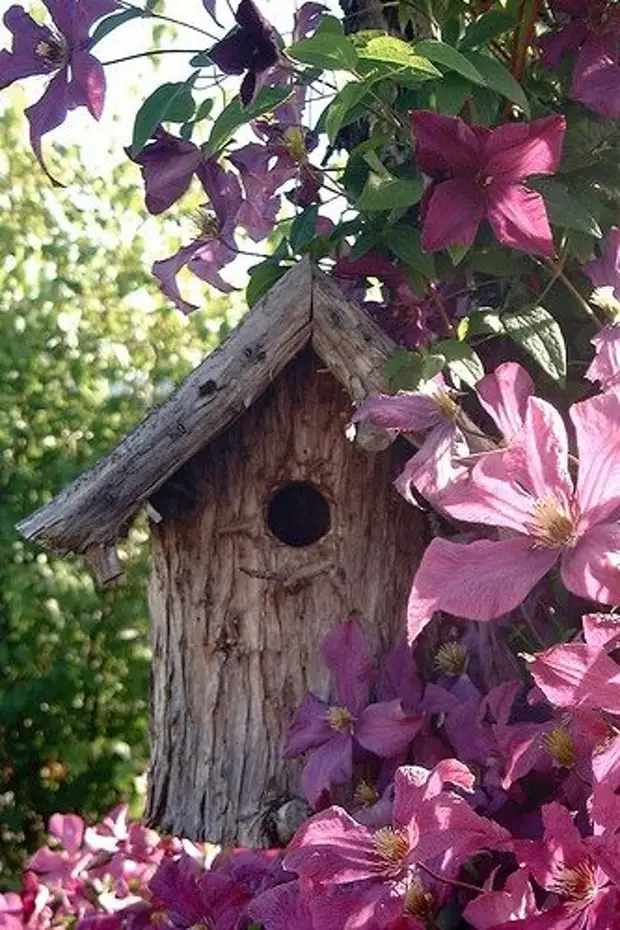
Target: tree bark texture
column 238, row 615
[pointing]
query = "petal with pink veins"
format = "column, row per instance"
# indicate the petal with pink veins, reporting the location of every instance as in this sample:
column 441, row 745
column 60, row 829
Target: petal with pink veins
column 597, row 426
column 539, row 454
column 310, row 727
column 87, row 87
column 504, row 394
column 412, row 411
column 385, row 729
column 577, row 675
column 481, row 580
column 332, row 848
column 605, row 367
column 68, row 829
column 518, row 217
column 327, row 765
column 591, row 569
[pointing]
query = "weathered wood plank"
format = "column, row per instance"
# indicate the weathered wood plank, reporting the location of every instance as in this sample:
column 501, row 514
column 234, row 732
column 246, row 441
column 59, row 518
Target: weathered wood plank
column 97, row 507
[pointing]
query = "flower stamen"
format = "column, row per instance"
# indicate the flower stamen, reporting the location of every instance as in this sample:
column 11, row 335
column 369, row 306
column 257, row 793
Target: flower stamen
column 562, row 747
column 392, row 845
column 578, row 883
column 53, row 51
column 553, row 523
column 340, row 719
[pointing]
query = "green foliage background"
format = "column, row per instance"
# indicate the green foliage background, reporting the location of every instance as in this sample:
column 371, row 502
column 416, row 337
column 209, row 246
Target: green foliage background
column 87, row 344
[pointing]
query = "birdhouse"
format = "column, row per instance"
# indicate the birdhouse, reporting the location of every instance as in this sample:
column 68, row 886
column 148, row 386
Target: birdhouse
column 268, row 526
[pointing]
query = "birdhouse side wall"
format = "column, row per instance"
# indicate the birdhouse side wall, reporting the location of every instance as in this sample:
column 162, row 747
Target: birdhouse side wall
column 238, row 614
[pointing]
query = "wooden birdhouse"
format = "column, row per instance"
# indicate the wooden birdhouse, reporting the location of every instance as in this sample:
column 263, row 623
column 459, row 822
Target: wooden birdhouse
column 268, row 527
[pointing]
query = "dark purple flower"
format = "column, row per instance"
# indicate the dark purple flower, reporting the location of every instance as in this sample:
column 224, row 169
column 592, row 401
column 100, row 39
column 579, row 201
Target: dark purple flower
column 591, row 28
column 167, row 165
column 478, row 174
column 281, row 908
column 251, row 47
column 192, row 898
column 215, row 245
column 332, row 731
column 78, row 77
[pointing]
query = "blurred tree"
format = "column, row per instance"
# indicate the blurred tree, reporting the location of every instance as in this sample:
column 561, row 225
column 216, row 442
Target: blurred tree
column 87, row 344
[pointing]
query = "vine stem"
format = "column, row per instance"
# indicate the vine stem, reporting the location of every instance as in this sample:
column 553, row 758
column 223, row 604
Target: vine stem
column 150, row 14
column 570, row 287
column 449, row 881
column 155, row 51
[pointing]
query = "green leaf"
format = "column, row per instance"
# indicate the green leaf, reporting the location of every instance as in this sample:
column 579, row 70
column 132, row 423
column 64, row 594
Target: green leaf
column 204, row 109
column 235, row 115
column 457, row 253
column 201, row 60
column 107, row 25
column 484, row 322
column 451, row 92
column 463, row 362
column 366, row 240
column 343, row 103
column 262, row 278
column 498, row 78
column 536, row 331
column 328, row 48
column 404, row 369
column 393, row 51
column 564, row 210
column 171, row 101
column 389, row 193
column 442, row 54
column 404, row 243
column 302, row 228
column 492, row 24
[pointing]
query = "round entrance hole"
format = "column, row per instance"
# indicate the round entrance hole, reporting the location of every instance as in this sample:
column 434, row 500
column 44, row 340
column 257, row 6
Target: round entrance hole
column 298, row 514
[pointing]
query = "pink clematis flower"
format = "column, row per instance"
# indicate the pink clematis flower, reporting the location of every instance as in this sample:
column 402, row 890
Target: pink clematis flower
column 332, row 732
column 57, row 869
column 478, row 174
column 528, row 490
column 368, row 877
column 605, row 271
column 78, row 77
column 567, row 866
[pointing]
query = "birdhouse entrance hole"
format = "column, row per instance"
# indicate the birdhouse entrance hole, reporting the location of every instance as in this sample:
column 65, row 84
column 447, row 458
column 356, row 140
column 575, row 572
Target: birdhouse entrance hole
column 298, row 514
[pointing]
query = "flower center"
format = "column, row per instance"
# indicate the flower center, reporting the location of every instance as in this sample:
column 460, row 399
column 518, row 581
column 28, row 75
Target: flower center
column 451, row 659
column 562, row 747
column 340, row 719
column 53, row 51
column 483, row 179
column 418, row 902
column 392, row 845
column 205, row 221
column 295, row 143
column 366, row 794
column 553, row 523
column 445, row 405
column 578, row 884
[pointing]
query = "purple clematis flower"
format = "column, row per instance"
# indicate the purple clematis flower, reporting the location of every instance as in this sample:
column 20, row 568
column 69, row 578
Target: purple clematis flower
column 478, row 174
column 528, row 490
column 605, row 271
column 215, row 245
column 591, row 28
column 605, row 367
column 192, row 899
column 167, row 164
column 251, row 47
column 333, row 731
column 78, row 77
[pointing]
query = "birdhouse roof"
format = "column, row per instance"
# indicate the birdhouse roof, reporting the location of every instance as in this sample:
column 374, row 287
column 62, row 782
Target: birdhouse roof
column 304, row 307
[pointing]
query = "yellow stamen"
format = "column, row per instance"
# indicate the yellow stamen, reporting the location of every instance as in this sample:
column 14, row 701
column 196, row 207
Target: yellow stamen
column 554, row 524
column 445, row 404
column 295, row 143
column 562, row 747
column 206, row 223
column 340, row 719
column 366, row 794
column 451, row 659
column 418, row 902
column 392, row 845
column 577, row 884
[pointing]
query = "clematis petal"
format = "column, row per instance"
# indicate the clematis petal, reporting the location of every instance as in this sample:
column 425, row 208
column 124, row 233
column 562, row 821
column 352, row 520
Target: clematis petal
column 605, row 271
column 538, row 456
column 210, row 7
column 386, row 729
column 480, row 580
column 555, row 45
column 445, row 145
column 602, row 630
column 281, row 908
column 504, row 394
column 408, row 411
column 592, row 568
column 605, row 367
column 68, row 829
column 167, row 165
column 597, row 426
column 209, row 257
column 24, row 60
column 327, row 765
column 518, row 217
column 596, row 76
column 74, row 20
column 87, row 87
column 166, row 271
column 346, row 656
column 48, row 113
column 454, row 212
column 332, row 848
column 307, row 18
column 577, row 675
column 435, row 467
column 491, row 908
column 310, row 727
column 514, row 151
